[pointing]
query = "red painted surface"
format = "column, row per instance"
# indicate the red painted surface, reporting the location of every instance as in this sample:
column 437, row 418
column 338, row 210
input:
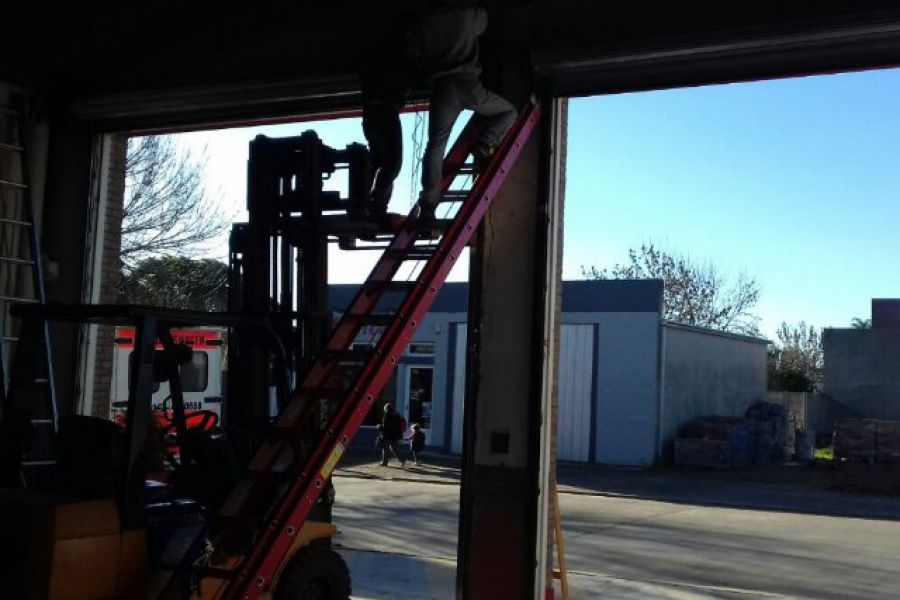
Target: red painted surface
column 197, row 339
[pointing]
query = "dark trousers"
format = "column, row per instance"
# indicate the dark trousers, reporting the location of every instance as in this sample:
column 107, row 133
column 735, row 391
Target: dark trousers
column 387, row 449
column 381, row 126
column 449, row 97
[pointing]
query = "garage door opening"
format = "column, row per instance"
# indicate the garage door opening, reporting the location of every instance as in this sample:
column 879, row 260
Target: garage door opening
column 174, row 221
column 739, row 239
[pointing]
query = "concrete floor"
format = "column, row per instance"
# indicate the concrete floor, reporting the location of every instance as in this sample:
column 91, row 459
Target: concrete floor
column 400, row 541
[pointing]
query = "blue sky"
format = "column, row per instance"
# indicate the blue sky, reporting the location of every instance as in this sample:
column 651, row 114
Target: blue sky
column 793, row 182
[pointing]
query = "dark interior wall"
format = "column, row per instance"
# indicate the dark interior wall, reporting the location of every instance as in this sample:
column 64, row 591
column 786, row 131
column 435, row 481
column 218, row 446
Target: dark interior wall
column 303, row 56
column 70, row 159
column 142, row 45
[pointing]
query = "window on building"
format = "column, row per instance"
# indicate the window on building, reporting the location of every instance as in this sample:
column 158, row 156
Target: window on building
column 195, row 374
column 420, row 380
column 421, row 349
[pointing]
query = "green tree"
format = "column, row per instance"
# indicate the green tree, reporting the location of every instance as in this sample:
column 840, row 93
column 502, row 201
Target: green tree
column 797, row 359
column 694, row 293
column 858, row 323
column 177, row 282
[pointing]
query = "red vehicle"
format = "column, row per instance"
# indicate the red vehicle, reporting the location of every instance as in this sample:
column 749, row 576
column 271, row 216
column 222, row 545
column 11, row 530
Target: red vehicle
column 201, row 378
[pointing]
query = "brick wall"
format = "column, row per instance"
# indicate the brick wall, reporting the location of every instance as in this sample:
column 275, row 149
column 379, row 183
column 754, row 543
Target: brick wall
column 109, row 280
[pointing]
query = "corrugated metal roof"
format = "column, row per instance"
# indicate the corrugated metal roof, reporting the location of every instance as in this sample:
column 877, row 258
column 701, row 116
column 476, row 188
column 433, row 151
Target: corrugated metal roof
column 717, row 332
column 619, row 295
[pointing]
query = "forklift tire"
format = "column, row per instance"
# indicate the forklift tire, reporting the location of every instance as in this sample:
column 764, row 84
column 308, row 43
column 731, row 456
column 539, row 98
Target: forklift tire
column 316, row 572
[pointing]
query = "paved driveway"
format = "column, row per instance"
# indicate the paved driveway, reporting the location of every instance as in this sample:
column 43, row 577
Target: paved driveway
column 400, row 539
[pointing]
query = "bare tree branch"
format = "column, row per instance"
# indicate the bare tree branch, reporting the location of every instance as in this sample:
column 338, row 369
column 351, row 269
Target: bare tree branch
column 168, row 208
column 694, row 293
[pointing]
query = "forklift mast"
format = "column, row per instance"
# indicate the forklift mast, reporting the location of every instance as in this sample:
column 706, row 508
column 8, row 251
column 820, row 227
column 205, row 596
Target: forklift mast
column 278, row 262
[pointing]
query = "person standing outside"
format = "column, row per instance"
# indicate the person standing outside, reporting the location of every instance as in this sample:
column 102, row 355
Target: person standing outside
column 416, row 442
column 392, row 428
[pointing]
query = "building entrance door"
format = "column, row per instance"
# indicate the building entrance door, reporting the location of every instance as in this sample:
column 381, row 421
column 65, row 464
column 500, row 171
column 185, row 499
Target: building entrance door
column 419, row 396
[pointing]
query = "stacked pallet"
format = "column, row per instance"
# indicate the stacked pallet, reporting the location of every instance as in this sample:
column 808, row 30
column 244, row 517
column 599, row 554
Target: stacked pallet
column 887, row 441
column 867, row 439
column 714, row 443
column 854, row 439
column 768, row 428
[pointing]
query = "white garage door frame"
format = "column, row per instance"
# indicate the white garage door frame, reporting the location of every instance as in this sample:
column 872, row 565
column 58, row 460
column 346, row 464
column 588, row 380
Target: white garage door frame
column 577, row 385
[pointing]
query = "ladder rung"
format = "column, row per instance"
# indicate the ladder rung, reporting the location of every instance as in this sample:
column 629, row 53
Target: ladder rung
column 432, row 229
column 11, row 147
column 16, row 261
column 454, row 196
column 15, row 222
column 218, row 573
column 9, row 338
column 353, row 354
column 41, row 380
column 38, row 463
column 414, row 253
column 42, row 421
column 326, row 393
column 14, row 184
column 391, row 287
column 376, row 320
column 434, row 224
column 18, row 299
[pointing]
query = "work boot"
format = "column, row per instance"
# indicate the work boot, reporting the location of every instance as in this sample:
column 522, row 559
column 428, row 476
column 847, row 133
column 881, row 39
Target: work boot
column 376, row 211
column 427, row 208
column 481, row 158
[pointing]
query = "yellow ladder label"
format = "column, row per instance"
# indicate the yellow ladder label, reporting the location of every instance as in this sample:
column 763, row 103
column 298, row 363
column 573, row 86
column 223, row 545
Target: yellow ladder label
column 332, row 461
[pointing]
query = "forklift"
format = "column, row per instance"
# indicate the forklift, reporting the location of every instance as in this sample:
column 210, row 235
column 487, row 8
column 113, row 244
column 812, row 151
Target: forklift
column 244, row 511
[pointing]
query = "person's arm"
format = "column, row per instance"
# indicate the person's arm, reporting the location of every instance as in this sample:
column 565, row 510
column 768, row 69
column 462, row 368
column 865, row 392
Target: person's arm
column 480, row 21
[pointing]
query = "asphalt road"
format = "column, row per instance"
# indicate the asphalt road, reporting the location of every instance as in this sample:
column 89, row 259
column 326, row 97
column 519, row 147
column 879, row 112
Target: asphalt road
column 400, row 540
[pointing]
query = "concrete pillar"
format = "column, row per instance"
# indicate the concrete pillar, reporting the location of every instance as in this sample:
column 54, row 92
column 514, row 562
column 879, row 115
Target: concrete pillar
column 70, row 161
column 513, row 324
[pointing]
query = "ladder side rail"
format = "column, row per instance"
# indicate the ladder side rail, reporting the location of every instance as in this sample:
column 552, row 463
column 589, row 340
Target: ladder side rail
column 37, row 270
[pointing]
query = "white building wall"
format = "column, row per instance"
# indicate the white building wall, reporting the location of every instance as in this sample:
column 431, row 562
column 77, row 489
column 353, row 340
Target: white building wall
column 708, row 373
column 612, row 357
column 576, row 379
column 459, row 387
column 627, row 363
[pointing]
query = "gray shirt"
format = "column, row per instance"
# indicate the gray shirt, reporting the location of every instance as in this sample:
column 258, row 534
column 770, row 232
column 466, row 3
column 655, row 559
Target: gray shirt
column 446, row 43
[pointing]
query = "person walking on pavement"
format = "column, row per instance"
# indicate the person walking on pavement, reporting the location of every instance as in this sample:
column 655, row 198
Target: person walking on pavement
column 444, row 46
column 416, row 442
column 391, row 431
